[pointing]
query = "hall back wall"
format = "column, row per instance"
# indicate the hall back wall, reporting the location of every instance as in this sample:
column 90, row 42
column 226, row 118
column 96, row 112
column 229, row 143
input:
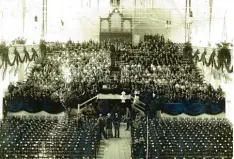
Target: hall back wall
column 153, row 21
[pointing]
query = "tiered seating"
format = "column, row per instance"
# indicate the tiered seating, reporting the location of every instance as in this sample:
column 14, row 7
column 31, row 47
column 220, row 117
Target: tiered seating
column 46, row 137
column 187, row 137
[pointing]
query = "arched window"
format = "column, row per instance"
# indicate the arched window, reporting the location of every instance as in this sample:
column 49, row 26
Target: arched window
column 126, row 26
column 104, row 26
column 115, row 23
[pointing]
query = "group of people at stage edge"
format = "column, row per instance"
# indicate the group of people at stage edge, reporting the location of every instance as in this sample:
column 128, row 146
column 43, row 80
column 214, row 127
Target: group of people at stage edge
column 106, row 124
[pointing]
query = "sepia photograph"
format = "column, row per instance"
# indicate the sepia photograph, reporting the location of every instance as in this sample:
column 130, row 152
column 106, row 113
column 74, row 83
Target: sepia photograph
column 116, row 79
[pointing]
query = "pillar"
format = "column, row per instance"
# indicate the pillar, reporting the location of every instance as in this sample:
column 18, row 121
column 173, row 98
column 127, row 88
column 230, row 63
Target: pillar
column 21, row 72
column 44, row 19
column 78, row 109
column 1, row 98
column 23, row 3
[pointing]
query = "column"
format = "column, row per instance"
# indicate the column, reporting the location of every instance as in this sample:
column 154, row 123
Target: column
column 43, row 19
column 46, row 17
column 1, row 99
column 1, row 20
column 23, row 16
column 21, row 72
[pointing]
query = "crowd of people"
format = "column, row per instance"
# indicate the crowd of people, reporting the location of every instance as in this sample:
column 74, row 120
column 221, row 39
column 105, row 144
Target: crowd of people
column 44, row 84
column 173, row 84
column 74, row 74
column 158, row 66
column 64, row 77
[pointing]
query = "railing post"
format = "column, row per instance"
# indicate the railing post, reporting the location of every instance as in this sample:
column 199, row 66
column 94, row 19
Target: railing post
column 78, row 109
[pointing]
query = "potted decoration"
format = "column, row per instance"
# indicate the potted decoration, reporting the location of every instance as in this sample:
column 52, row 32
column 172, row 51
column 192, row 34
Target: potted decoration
column 3, row 53
column 43, row 48
column 19, row 41
column 3, row 47
column 187, row 51
column 224, row 54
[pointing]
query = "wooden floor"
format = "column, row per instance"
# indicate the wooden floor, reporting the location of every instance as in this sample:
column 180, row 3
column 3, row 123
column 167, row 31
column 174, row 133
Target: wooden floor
column 116, row 148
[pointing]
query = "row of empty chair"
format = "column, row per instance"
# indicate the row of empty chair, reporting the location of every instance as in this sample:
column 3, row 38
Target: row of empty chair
column 46, row 137
column 186, row 137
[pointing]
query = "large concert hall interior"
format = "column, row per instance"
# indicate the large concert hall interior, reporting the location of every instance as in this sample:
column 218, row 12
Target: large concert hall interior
column 116, row 79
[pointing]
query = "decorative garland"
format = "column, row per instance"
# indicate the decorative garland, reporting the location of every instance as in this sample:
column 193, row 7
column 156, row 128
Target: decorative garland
column 5, row 59
column 17, row 59
column 19, row 40
column 216, row 64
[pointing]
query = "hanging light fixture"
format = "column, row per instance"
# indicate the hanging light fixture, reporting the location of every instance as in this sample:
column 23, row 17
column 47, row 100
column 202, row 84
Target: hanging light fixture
column 35, row 18
column 168, row 24
column 190, row 18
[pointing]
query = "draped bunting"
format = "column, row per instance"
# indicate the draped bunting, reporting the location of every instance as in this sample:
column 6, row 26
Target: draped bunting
column 47, row 105
column 192, row 109
column 216, row 64
column 173, row 108
column 214, row 108
column 32, row 106
column 179, row 108
column 5, row 59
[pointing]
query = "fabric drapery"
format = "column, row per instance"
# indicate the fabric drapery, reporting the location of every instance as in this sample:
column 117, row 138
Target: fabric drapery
column 192, row 109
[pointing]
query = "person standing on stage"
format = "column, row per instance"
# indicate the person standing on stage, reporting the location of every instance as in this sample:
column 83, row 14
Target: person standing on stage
column 116, row 123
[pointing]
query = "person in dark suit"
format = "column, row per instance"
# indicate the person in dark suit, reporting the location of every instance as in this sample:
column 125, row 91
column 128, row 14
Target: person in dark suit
column 102, row 125
column 112, row 48
column 80, row 122
column 128, row 117
column 116, row 123
column 109, row 125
